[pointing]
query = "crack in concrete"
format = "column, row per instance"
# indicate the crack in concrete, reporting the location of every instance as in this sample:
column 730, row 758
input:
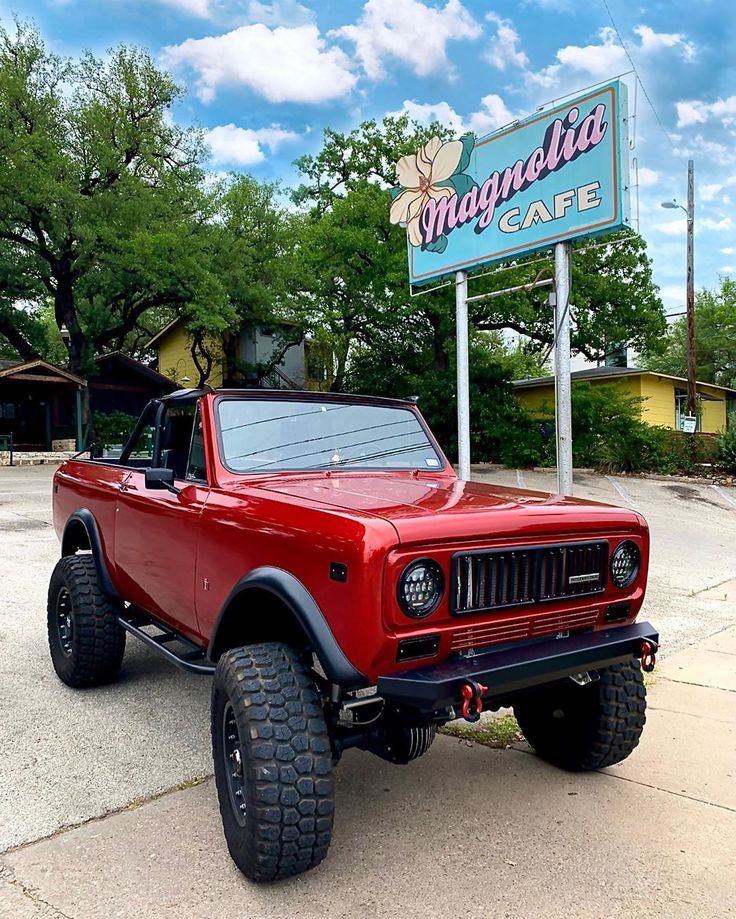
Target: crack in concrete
column 700, row 685
column 47, row 910
column 676, row 711
column 131, row 805
column 623, row 778
column 668, row 791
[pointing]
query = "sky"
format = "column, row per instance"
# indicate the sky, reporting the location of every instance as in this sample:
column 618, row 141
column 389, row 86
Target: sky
column 265, row 79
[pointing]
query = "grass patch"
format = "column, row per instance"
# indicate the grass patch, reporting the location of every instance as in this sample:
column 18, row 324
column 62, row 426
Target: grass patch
column 498, row 733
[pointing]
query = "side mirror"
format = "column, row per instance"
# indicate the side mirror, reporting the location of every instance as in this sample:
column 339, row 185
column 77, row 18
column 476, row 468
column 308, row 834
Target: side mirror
column 161, row 478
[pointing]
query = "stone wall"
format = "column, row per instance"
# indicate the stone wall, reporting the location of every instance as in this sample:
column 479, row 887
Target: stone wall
column 35, row 459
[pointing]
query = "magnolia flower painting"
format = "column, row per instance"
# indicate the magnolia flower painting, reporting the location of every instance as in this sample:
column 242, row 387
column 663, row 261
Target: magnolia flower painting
column 432, row 173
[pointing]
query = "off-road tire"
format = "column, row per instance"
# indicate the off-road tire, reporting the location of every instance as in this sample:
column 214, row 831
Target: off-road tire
column 583, row 728
column 277, row 803
column 90, row 651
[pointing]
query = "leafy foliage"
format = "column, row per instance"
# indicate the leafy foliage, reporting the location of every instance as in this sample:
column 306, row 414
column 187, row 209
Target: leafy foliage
column 112, row 429
column 101, row 206
column 715, row 339
column 727, row 447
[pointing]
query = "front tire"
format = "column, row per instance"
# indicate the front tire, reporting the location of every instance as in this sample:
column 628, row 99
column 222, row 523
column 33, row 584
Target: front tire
column 583, row 728
column 85, row 638
column 273, row 761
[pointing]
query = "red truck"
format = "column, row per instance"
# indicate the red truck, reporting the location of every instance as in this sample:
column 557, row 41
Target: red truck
column 317, row 555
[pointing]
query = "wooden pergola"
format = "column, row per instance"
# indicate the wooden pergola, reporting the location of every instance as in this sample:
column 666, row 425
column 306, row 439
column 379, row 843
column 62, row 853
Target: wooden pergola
column 40, row 403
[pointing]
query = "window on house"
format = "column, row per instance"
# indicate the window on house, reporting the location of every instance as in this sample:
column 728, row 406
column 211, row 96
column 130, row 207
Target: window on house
column 681, row 409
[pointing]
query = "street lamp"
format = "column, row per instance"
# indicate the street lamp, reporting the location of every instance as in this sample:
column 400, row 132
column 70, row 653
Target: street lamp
column 690, row 214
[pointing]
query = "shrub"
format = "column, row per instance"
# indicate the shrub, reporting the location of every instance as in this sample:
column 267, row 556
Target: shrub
column 114, row 428
column 726, row 445
column 641, row 449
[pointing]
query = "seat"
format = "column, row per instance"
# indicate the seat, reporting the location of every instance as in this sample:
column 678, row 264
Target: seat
column 177, row 436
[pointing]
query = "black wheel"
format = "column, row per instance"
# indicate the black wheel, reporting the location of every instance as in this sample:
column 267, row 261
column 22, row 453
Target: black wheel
column 85, row 638
column 581, row 728
column 273, row 761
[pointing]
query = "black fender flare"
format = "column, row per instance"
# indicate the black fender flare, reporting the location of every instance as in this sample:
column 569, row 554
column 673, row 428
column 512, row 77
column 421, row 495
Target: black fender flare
column 85, row 518
column 303, row 607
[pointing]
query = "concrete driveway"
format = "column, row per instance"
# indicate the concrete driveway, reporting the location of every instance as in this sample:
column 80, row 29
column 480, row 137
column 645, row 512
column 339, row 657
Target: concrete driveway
column 67, row 757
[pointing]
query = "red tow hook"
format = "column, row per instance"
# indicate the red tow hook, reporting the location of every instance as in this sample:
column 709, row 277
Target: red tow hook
column 648, row 656
column 472, row 693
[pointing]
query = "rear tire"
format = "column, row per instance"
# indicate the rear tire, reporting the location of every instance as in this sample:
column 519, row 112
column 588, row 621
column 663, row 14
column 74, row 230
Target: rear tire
column 273, row 761
column 583, row 728
column 85, row 638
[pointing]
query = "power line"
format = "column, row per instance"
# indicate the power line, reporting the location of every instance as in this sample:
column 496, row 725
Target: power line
column 636, row 72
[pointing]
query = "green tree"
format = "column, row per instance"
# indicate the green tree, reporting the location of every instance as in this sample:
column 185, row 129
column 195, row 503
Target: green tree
column 102, row 211
column 715, row 339
column 253, row 241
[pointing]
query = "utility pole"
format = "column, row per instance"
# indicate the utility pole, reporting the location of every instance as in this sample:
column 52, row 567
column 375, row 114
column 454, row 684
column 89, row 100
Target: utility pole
column 692, row 407
column 692, row 400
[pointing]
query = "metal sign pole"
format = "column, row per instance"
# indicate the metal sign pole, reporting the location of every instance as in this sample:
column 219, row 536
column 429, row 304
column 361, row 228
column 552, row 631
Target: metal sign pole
column 463, row 385
column 563, row 413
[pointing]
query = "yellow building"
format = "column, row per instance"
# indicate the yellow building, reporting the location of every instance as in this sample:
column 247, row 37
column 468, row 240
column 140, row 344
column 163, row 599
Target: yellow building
column 664, row 397
column 299, row 368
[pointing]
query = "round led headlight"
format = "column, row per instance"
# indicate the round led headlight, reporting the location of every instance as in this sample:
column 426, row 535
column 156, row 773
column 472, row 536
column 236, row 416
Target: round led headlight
column 625, row 563
column 420, row 588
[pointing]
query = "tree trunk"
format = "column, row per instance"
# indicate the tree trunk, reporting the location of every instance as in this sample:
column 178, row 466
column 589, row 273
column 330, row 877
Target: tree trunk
column 440, row 361
column 24, row 348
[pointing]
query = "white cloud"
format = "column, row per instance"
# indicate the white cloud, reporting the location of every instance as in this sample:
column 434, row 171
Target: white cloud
column 671, row 227
column 233, row 146
column 199, row 8
column 408, row 31
column 598, row 60
column 728, row 250
column 727, row 269
column 493, row 114
column 655, row 41
column 278, row 13
column 673, row 296
column 689, row 113
column 694, row 111
column 281, row 64
column 504, row 50
column 718, row 226
column 607, row 57
column 647, row 177
column 709, row 192
column 693, row 145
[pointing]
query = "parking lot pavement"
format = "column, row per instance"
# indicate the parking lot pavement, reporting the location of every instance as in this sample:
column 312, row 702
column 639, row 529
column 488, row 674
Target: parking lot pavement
column 464, row 831
column 69, row 756
column 66, row 755
column 692, row 575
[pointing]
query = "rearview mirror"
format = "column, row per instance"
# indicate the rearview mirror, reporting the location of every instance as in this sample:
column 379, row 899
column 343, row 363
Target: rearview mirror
column 161, row 478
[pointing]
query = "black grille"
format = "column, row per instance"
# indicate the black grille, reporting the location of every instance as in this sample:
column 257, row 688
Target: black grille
column 500, row 578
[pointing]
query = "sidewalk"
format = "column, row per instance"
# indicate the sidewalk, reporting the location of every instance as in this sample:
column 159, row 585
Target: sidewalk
column 465, row 831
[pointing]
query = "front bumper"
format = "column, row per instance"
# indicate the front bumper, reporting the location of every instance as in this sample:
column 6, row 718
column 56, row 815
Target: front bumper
column 512, row 668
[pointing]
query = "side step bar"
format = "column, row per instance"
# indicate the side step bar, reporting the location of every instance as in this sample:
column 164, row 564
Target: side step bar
column 187, row 656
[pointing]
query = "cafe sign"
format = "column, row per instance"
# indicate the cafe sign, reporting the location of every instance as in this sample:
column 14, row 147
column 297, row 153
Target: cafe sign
column 555, row 176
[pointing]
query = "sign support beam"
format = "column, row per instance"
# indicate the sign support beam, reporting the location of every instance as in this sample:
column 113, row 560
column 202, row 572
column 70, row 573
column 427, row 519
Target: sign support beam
column 563, row 389
column 463, row 379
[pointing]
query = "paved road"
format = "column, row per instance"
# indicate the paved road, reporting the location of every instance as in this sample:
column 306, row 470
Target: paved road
column 68, row 756
column 465, row 831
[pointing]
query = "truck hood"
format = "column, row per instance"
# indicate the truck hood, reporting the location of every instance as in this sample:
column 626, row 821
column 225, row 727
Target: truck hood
column 423, row 509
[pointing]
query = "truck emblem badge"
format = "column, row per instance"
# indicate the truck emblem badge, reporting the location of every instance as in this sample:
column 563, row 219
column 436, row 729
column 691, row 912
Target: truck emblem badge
column 583, row 578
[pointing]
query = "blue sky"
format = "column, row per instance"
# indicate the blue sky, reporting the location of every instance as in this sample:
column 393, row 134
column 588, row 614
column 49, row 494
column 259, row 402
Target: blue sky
column 265, row 78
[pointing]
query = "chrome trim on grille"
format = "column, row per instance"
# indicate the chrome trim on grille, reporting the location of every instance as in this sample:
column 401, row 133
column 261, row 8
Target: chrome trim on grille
column 490, row 579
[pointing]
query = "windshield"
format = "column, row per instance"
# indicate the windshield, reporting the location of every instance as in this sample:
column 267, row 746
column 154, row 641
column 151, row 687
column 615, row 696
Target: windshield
column 267, row 435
